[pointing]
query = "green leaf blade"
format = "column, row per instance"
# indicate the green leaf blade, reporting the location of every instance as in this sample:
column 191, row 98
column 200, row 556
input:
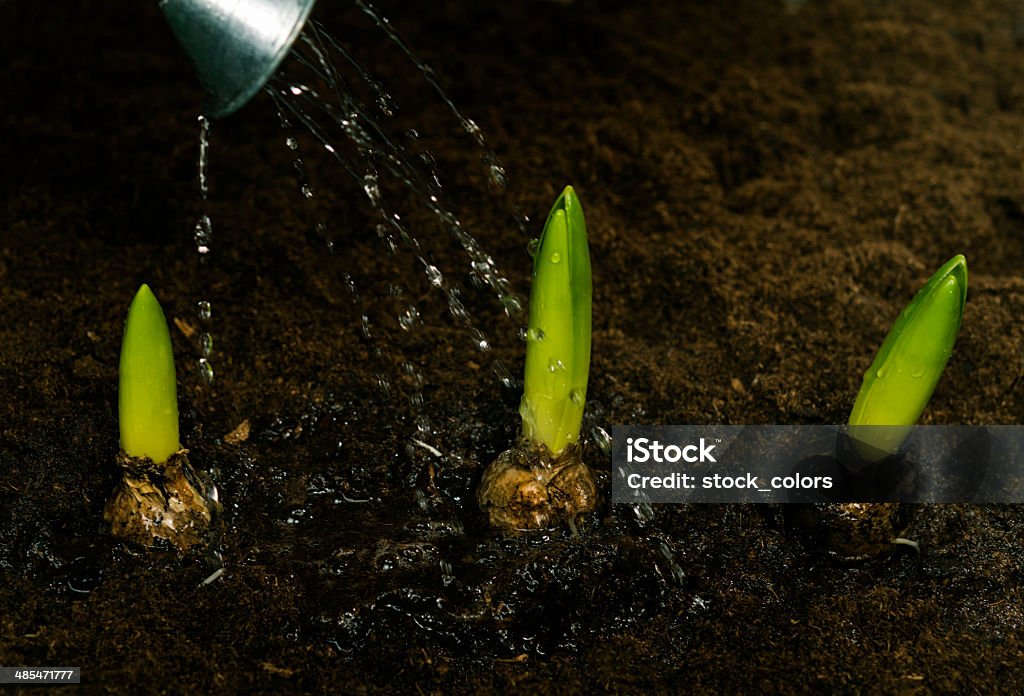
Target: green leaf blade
column 558, row 336
column 147, row 390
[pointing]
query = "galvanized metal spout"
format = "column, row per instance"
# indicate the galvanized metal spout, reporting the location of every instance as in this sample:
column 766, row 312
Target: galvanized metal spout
column 235, row 45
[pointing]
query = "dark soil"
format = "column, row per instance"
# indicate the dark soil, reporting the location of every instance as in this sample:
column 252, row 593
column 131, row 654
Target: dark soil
column 765, row 189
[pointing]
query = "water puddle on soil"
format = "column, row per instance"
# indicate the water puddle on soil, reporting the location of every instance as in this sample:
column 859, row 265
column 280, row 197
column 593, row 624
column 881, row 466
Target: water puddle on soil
column 388, row 563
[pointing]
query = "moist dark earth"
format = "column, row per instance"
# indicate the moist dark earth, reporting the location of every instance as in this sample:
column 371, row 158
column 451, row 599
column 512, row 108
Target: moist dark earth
column 766, row 186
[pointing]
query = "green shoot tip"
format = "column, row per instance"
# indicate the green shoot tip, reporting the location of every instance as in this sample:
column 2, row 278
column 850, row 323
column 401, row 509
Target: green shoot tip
column 147, row 391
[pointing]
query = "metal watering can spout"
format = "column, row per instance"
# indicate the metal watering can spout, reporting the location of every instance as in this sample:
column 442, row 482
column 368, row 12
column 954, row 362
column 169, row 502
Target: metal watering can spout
column 235, row 45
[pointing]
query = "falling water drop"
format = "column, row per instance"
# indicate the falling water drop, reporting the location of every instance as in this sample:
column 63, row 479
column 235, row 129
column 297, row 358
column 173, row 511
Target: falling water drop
column 496, row 176
column 372, row 188
column 435, row 276
column 512, row 304
column 602, row 439
column 204, row 311
column 203, row 234
column 504, row 376
column 409, row 318
column 480, row 340
column 205, row 344
column 205, row 371
column 474, row 130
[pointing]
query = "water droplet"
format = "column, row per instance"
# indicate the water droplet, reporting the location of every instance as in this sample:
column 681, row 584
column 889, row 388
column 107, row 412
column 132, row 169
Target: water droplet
column 576, row 397
column 205, row 371
column 535, row 334
column 644, row 513
column 480, row 340
column 291, row 142
column 205, row 344
column 555, row 365
column 386, row 104
column 409, row 318
column 602, row 439
column 504, row 376
column 372, row 188
column 383, row 384
column 880, row 373
column 307, row 190
column 512, row 304
column 496, row 176
column 295, row 90
column 521, row 219
column 917, row 373
column 474, row 130
column 203, row 234
column 435, row 276
column 204, row 311
column 456, row 307
column 365, row 325
column 531, row 247
column 556, row 257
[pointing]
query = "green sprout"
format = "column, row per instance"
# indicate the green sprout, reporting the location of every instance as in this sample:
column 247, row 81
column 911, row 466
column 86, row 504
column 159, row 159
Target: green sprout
column 910, row 362
column 543, row 480
column 161, row 498
column 558, row 333
column 147, row 393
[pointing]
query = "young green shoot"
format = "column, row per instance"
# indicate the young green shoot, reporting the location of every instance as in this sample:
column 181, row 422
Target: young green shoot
column 147, row 392
column 543, row 480
column 558, row 334
column 910, row 362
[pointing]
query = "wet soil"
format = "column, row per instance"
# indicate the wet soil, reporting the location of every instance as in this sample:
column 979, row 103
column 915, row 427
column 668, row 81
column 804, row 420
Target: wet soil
column 765, row 188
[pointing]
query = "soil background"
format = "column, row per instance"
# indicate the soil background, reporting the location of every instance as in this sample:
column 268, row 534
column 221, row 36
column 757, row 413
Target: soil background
column 766, row 186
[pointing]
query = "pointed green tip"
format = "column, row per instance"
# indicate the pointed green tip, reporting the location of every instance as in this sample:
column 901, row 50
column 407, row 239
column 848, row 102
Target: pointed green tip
column 147, row 390
column 956, row 268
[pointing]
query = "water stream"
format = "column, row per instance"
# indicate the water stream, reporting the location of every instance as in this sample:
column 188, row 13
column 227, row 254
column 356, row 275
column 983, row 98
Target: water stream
column 418, row 561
